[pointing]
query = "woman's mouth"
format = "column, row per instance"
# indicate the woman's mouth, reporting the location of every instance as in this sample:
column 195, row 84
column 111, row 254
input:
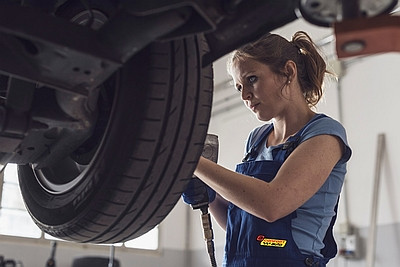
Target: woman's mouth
column 253, row 107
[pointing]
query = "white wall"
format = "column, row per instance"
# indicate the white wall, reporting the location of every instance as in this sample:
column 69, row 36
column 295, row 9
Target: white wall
column 370, row 99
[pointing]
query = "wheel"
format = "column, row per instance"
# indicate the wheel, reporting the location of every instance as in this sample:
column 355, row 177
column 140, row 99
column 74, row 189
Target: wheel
column 126, row 180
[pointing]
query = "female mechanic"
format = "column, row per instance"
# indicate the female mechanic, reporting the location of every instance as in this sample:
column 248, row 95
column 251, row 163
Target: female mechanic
column 279, row 207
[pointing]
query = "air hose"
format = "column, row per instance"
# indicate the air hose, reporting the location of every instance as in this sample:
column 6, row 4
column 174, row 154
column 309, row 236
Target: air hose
column 208, row 234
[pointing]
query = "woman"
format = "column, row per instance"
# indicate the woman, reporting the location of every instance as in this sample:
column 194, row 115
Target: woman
column 279, row 207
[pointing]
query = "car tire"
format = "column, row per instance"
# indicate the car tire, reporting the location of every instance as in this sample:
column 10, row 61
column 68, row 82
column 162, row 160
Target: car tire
column 148, row 151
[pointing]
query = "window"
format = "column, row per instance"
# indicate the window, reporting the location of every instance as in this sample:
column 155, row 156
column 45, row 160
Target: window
column 15, row 220
column 147, row 241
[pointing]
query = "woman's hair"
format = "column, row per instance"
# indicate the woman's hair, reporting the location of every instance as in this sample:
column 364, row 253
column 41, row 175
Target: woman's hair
column 274, row 51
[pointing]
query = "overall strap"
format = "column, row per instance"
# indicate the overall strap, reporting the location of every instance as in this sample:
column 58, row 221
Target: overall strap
column 293, row 141
column 287, row 147
column 252, row 153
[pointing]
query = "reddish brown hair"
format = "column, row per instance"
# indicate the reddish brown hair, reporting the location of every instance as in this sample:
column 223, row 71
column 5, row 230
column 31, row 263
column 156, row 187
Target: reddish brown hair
column 274, row 51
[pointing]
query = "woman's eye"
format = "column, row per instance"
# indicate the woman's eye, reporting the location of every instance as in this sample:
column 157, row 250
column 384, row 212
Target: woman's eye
column 252, row 79
column 239, row 88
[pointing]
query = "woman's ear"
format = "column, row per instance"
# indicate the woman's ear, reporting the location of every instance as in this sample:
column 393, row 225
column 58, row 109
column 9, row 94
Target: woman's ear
column 290, row 70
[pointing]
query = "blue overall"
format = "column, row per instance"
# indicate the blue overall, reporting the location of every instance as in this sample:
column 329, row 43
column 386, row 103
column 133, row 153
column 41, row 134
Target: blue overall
column 253, row 242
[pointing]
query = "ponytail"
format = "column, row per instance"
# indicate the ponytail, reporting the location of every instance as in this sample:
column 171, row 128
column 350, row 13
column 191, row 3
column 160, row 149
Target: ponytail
column 311, row 67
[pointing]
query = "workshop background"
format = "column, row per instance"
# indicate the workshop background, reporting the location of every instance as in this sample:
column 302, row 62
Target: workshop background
column 364, row 97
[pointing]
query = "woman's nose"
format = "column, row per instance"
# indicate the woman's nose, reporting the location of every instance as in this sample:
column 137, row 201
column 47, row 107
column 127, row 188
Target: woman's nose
column 245, row 93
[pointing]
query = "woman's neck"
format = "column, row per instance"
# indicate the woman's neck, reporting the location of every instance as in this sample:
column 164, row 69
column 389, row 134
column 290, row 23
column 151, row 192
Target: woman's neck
column 288, row 125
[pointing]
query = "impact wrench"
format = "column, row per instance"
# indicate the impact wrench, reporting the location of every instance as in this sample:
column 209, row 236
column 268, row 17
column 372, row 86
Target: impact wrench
column 210, row 151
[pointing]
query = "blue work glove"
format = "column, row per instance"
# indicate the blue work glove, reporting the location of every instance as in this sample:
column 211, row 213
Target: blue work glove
column 198, row 193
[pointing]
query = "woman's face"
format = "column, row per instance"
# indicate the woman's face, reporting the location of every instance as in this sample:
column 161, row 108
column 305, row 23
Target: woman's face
column 260, row 88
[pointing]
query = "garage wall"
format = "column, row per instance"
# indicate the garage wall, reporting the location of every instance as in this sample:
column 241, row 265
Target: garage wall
column 370, row 100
